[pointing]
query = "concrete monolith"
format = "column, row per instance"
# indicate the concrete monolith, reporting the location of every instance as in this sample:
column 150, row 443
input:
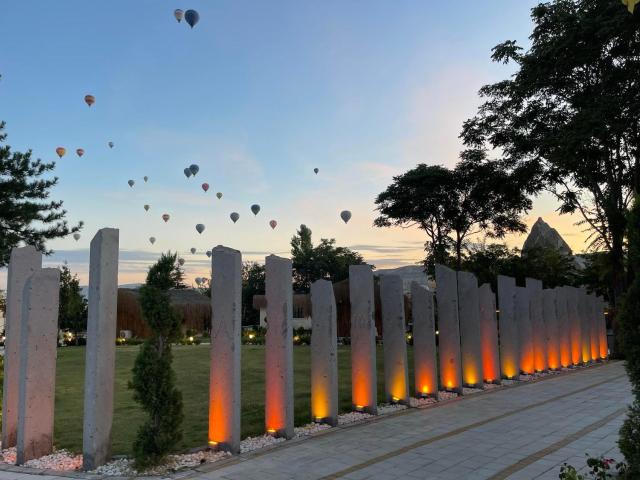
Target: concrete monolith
column 396, row 372
column 564, row 326
column 489, row 334
column 324, row 354
column 585, row 325
column 226, row 329
column 538, row 328
column 38, row 344
column 602, row 328
column 448, row 329
column 279, row 347
column 23, row 263
column 424, row 341
column 509, row 342
column 101, row 348
column 363, row 339
column 550, row 315
column 525, row 337
column 470, row 336
column 574, row 322
column 594, row 334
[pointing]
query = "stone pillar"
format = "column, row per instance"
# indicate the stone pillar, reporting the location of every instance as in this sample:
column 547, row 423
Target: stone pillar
column 101, row 348
column 594, row 334
column 23, row 263
column 279, row 348
column 602, row 328
column 226, row 328
column 585, row 325
column 538, row 328
column 549, row 313
column 489, row 334
column 324, row 354
column 525, row 337
column 449, row 329
column 363, row 340
column 574, row 321
column 38, row 344
column 424, row 340
column 470, row 338
column 396, row 373
column 509, row 342
column 564, row 327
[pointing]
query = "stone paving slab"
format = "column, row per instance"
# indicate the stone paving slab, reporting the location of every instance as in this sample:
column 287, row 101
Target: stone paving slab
column 515, row 433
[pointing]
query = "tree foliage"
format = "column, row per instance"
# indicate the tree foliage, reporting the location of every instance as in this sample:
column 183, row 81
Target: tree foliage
column 324, row 261
column 452, row 205
column 153, row 376
column 26, row 213
column 569, row 118
column 72, row 309
column 253, row 283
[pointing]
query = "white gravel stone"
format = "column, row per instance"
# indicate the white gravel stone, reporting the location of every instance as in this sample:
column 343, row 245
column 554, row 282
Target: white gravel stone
column 352, row 417
column 525, row 378
column 59, row 460
column 470, row 391
column 421, row 402
column 386, row 408
column 444, row 395
column 250, row 444
column 8, row 456
column 490, row 386
column 310, row 428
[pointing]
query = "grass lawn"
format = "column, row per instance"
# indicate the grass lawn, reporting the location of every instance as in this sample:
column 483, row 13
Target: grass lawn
column 191, row 364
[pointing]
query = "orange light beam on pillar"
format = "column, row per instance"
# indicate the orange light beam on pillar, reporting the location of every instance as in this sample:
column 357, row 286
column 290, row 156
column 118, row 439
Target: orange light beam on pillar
column 538, row 329
column 574, row 321
column 470, row 337
column 489, row 334
column 525, row 338
column 602, row 328
column 449, row 329
column 585, row 327
column 424, row 341
column 509, row 344
column 226, row 327
column 593, row 326
column 363, row 340
column 564, row 327
column 550, row 316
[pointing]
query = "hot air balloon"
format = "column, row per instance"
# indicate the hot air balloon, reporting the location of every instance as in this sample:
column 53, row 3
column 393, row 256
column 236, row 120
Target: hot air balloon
column 76, row 236
column 194, row 169
column 255, row 208
column 165, row 217
column 273, row 224
column 200, row 228
column 146, row 208
column 198, row 280
column 219, row 195
column 110, row 144
column 345, row 215
column 80, row 152
column 234, row 217
column 145, row 178
column 316, row 170
column 61, row 151
column 193, row 250
column 209, row 253
column 152, row 240
column 181, row 261
column 178, row 14
column 192, row 17
column 205, row 186
column 187, row 172
column 89, row 99
column 131, row 183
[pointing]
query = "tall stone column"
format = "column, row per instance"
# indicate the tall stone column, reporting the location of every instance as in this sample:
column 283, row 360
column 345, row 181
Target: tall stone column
column 101, row 348
column 324, row 354
column 509, row 342
column 549, row 312
column 564, row 326
column 38, row 344
column 226, row 328
column 424, row 340
column 538, row 328
column 363, row 339
column 396, row 372
column 594, row 334
column 489, row 334
column 279, row 347
column 574, row 321
column 585, row 325
column 23, row 263
column 525, row 337
column 602, row 328
column 449, row 329
column 470, row 338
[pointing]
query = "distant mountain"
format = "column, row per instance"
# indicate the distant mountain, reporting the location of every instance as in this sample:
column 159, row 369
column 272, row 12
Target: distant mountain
column 84, row 289
column 542, row 235
column 408, row 273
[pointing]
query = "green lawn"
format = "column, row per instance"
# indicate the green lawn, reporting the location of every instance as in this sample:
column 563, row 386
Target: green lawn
column 192, row 368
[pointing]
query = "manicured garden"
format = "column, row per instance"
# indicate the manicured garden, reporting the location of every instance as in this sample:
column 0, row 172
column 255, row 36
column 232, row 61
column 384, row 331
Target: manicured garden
column 191, row 364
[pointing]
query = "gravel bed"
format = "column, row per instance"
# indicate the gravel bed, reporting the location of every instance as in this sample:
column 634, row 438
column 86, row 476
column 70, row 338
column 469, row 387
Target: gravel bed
column 310, row 428
column 491, row 386
column 470, row 390
column 507, row 381
column 250, row 444
column 351, row 417
column 60, row 460
column 421, row 402
column 8, row 456
column 386, row 408
column 444, row 395
column 525, row 378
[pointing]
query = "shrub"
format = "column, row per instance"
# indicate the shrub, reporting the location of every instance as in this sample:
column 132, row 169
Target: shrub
column 629, row 441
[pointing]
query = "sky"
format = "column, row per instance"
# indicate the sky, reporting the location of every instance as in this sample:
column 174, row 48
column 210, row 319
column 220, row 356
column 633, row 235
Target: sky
column 258, row 94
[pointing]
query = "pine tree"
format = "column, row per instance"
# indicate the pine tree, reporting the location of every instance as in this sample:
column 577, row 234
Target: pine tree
column 153, row 376
column 24, row 202
column 72, row 309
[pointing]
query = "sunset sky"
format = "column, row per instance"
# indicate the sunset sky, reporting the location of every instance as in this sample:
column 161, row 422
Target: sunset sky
column 257, row 94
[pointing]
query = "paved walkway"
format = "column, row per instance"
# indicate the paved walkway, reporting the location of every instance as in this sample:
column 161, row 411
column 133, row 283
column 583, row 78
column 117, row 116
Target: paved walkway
column 525, row 432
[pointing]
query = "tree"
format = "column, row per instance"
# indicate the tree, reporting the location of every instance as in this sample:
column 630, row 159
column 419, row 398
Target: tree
column 253, row 283
column 570, row 115
column 153, row 376
column 26, row 215
column 72, row 309
column 477, row 196
column 324, row 261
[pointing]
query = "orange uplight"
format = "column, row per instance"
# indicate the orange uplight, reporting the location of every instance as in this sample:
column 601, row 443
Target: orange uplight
column 425, row 389
column 510, row 368
column 526, row 363
column 359, row 408
column 319, row 402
